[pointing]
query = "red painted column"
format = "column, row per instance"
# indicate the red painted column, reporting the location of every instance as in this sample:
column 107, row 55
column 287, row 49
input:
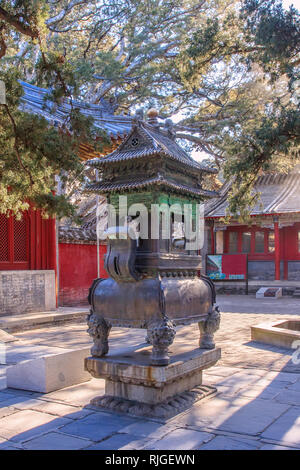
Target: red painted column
column 212, row 239
column 52, row 251
column 286, row 270
column 277, row 249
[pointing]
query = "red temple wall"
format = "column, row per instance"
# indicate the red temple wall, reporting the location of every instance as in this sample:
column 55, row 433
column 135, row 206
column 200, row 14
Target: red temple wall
column 77, row 269
column 290, row 242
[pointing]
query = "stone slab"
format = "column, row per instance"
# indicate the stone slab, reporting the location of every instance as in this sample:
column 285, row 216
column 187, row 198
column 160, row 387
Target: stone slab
column 295, row 386
column 120, row 442
column 52, row 408
column 29, row 321
column 49, row 373
column 57, row 441
column 181, row 439
column 253, row 417
column 273, row 333
column 97, row 426
column 286, row 429
column 230, row 443
column 275, row 447
column 233, row 414
column 149, row 429
column 290, row 397
column 26, row 424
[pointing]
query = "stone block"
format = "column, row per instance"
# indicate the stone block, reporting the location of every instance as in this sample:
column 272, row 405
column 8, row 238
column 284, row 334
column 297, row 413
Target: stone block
column 152, row 395
column 49, row 373
column 269, row 292
column 27, row 291
column 132, row 366
column 278, row 333
column 7, row 338
column 134, row 386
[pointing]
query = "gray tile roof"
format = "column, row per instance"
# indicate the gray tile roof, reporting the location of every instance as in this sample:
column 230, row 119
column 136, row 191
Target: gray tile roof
column 278, row 194
column 154, row 141
column 140, row 182
column 34, row 100
column 85, row 233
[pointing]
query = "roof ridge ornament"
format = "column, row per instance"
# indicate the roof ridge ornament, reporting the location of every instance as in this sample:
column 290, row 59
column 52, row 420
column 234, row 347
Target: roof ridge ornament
column 169, row 127
column 152, row 116
column 139, row 115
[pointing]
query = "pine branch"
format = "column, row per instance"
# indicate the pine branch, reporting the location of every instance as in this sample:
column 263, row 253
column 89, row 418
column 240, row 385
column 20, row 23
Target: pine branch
column 16, row 147
column 14, row 21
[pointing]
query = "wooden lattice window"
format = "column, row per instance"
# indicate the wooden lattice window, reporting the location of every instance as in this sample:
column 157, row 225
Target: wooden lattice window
column 4, row 239
column 14, row 242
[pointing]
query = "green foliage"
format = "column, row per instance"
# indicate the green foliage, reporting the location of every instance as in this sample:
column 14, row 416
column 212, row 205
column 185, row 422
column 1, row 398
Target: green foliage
column 231, row 69
column 32, row 153
column 258, row 117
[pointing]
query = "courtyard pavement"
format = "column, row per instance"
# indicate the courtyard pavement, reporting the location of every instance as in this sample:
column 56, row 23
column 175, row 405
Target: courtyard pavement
column 257, row 405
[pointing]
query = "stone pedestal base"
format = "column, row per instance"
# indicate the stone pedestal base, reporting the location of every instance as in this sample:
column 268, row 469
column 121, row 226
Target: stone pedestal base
column 133, row 386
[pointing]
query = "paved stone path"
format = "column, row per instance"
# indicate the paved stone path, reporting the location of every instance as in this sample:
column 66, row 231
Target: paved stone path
column 257, row 406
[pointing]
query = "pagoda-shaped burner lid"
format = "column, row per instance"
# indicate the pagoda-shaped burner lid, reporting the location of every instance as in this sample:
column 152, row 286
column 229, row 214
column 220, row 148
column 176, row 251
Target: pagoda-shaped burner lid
column 149, row 138
column 150, row 160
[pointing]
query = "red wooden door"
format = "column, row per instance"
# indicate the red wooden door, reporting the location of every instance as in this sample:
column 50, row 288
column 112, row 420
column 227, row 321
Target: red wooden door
column 14, row 242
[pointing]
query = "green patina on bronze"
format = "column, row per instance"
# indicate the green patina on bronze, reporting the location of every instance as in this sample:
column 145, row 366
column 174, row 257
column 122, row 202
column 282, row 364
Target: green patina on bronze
column 146, row 198
column 150, row 168
column 150, row 198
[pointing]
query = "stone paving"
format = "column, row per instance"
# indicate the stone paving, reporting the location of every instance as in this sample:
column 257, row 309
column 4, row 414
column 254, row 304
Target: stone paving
column 257, row 406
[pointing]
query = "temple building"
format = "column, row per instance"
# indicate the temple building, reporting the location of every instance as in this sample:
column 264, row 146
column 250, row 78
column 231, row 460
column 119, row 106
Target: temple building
column 272, row 240
column 44, row 263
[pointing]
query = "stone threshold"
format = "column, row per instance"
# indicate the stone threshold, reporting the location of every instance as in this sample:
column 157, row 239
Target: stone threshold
column 28, row 321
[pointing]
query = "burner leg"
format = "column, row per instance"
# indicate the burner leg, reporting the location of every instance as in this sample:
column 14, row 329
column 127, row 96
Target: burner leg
column 99, row 330
column 161, row 335
column 208, row 328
